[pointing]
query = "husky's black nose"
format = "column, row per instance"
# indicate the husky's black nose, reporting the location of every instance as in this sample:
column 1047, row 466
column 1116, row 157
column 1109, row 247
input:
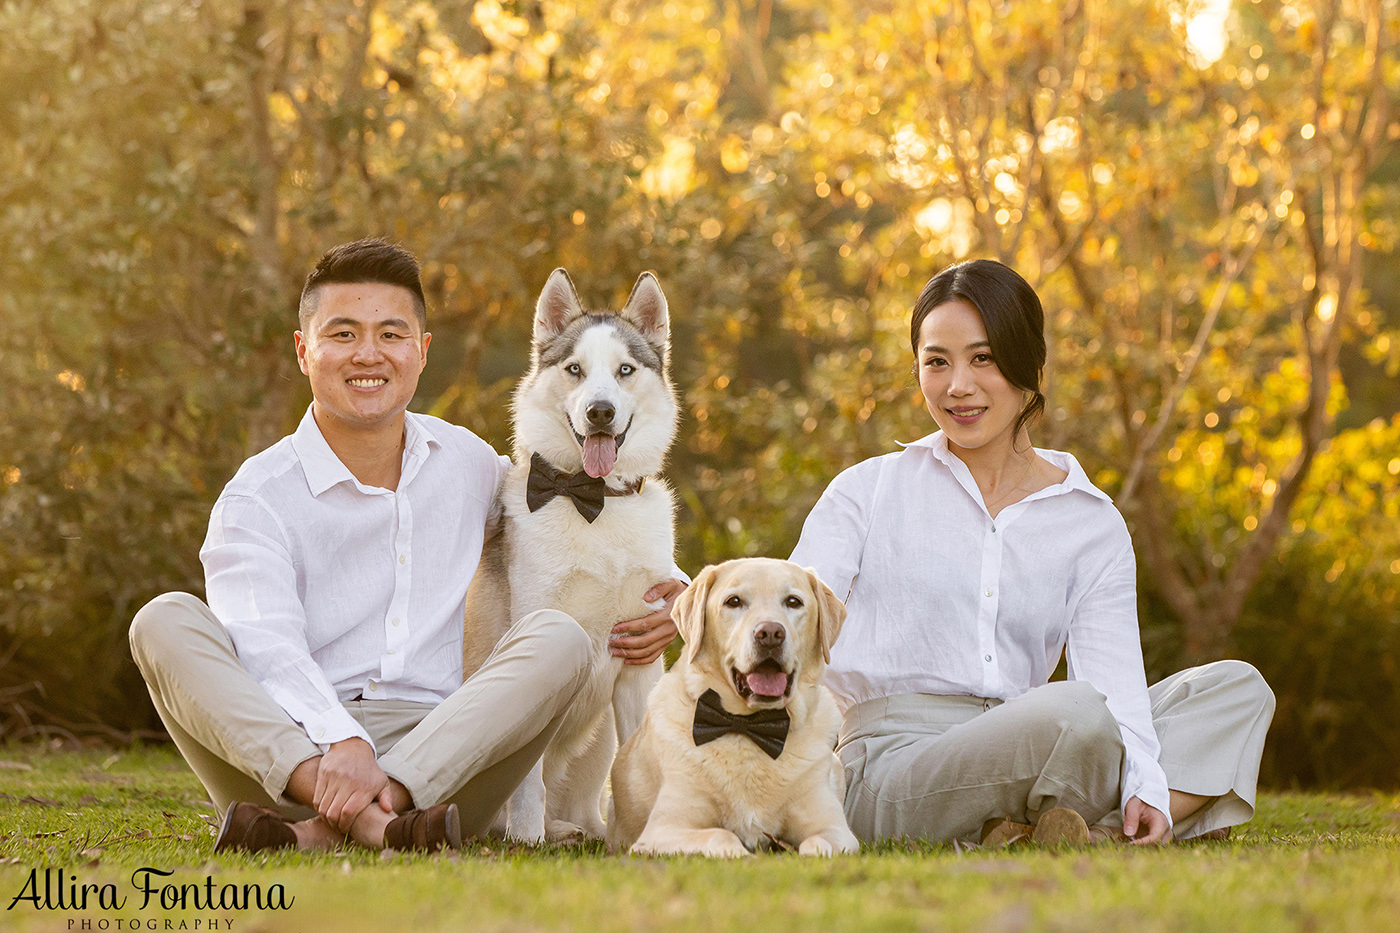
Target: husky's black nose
column 600, row 413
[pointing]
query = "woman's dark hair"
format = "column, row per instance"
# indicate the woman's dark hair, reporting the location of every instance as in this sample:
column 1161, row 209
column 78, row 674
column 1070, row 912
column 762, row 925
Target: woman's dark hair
column 1010, row 312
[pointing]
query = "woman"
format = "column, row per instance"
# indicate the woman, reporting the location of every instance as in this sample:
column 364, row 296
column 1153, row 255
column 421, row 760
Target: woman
column 971, row 559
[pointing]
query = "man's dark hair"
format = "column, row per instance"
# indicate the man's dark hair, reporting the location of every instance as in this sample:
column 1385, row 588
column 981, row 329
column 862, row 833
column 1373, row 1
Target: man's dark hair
column 1011, row 313
column 371, row 260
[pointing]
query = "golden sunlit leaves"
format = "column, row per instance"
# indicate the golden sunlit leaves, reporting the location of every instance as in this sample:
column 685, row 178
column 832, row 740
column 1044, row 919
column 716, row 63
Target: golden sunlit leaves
column 734, row 154
column 794, row 180
column 1061, row 135
column 673, row 174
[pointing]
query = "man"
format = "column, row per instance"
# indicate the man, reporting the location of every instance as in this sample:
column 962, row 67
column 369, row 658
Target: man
column 319, row 695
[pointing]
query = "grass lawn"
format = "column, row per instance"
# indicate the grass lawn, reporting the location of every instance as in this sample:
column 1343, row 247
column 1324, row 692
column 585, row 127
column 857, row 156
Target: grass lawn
column 1307, row 862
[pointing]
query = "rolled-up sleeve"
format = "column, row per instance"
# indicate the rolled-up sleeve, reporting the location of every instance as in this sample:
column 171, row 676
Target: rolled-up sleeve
column 251, row 584
column 833, row 536
column 1105, row 650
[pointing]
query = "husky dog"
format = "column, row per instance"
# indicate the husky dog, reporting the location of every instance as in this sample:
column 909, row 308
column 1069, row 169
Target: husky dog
column 596, row 405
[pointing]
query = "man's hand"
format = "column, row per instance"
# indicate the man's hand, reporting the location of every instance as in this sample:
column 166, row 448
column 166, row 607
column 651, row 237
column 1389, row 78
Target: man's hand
column 348, row 780
column 641, row 641
column 1145, row 825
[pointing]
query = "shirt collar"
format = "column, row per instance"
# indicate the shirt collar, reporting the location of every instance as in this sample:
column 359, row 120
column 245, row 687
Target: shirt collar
column 937, row 444
column 323, row 468
column 419, row 441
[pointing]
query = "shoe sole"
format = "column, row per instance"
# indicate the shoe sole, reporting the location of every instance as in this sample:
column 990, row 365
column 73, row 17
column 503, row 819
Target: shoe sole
column 221, row 840
column 454, row 827
column 1107, row 836
column 1060, row 827
column 1003, row 834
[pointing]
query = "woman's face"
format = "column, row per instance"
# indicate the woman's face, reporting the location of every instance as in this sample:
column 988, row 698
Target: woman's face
column 963, row 388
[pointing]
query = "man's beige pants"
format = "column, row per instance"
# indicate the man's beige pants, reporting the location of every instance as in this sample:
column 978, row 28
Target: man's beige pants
column 472, row 749
column 937, row 767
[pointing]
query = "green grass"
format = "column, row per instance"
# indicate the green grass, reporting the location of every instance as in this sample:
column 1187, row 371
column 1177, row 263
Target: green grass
column 1306, row 862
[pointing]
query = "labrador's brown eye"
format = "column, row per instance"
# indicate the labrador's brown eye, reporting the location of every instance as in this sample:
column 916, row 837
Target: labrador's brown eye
column 733, row 602
column 793, row 602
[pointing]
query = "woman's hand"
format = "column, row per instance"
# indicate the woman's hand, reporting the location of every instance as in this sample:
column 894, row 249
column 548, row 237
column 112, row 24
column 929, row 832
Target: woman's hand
column 641, row 641
column 1145, row 825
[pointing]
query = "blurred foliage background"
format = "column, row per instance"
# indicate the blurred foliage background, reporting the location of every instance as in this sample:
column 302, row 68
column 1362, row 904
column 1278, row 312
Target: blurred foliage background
column 1205, row 195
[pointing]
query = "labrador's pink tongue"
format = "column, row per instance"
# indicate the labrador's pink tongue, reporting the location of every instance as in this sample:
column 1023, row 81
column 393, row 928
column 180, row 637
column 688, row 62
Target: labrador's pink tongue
column 768, row 683
column 599, row 454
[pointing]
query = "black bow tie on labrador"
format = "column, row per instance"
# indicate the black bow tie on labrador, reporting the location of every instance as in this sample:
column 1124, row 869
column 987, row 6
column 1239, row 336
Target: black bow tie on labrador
column 586, row 492
column 767, row 728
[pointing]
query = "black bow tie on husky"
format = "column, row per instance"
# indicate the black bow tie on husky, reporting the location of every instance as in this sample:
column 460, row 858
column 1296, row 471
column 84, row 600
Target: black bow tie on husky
column 586, row 492
column 767, row 728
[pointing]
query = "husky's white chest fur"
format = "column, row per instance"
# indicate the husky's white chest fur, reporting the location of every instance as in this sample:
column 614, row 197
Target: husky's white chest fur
column 596, row 415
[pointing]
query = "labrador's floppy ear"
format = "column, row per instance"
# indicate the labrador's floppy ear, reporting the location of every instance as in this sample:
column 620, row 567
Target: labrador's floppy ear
column 689, row 611
column 831, row 614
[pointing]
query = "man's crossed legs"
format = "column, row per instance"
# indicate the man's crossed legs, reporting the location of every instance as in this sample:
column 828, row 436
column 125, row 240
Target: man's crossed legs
column 471, row 750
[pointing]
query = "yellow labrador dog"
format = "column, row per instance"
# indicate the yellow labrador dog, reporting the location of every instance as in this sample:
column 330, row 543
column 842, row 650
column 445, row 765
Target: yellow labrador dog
column 736, row 747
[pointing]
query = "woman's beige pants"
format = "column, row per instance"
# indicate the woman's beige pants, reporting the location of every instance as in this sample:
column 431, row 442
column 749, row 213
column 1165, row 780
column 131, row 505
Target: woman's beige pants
column 937, row 767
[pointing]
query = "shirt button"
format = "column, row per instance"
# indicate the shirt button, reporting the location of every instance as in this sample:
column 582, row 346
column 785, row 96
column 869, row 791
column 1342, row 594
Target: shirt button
column 396, row 621
column 988, row 659
column 989, row 592
column 391, row 650
column 320, row 732
column 403, row 559
column 373, row 685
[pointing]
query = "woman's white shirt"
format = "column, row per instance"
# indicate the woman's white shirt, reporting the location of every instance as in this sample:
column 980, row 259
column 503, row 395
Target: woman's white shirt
column 941, row 598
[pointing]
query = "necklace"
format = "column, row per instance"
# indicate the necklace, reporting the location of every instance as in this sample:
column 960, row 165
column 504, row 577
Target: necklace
column 1020, row 483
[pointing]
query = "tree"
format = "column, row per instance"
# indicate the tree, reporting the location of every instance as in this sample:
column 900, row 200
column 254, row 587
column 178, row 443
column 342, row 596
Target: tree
column 1213, row 242
column 1196, row 232
column 171, row 172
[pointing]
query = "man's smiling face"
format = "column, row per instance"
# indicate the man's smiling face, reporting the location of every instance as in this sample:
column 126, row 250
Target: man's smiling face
column 363, row 350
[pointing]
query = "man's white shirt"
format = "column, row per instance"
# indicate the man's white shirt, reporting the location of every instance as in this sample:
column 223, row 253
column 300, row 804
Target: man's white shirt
column 333, row 590
column 943, row 599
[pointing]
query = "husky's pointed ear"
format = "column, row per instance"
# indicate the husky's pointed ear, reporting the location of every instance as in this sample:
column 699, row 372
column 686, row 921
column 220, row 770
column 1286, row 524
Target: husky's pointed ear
column 831, row 613
column 689, row 612
column 646, row 307
column 558, row 305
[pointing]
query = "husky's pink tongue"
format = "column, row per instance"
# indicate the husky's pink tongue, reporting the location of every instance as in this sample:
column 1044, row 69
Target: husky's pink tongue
column 767, row 683
column 599, row 454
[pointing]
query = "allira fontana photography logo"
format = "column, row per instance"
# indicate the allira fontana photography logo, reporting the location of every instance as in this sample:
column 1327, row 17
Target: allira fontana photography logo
column 57, row 889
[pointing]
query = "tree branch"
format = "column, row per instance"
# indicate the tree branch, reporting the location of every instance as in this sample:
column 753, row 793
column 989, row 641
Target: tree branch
column 1233, row 267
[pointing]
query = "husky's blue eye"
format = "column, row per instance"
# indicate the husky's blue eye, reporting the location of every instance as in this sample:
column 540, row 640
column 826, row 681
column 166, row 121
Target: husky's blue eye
column 626, row 369
column 573, row 369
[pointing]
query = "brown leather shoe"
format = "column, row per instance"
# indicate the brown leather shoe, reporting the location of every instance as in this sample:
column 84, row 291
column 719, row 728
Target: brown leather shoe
column 248, row 827
column 425, row 830
column 1001, row 833
column 1061, row 827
